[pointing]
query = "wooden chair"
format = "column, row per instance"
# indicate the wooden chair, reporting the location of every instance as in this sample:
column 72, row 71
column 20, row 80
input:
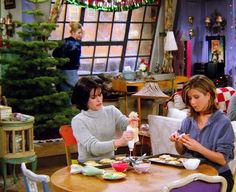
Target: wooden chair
column 31, row 179
column 197, row 182
column 120, row 85
column 69, row 141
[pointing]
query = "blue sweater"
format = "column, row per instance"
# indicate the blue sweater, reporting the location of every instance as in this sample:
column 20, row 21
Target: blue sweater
column 217, row 136
column 71, row 48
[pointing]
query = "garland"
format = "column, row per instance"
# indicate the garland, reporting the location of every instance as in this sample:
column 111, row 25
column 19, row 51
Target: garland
column 112, row 5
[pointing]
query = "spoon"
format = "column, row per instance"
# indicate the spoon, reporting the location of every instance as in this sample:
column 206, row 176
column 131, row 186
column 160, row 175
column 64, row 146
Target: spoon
column 142, row 157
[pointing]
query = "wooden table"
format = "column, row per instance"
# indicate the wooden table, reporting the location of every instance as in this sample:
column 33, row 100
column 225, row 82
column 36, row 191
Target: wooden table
column 159, row 175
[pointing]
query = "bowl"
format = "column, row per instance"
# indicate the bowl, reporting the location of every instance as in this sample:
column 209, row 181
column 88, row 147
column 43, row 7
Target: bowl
column 191, row 164
column 120, row 166
column 142, row 166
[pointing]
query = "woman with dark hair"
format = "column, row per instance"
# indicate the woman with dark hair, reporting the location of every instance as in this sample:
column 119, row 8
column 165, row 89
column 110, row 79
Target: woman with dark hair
column 96, row 126
column 207, row 132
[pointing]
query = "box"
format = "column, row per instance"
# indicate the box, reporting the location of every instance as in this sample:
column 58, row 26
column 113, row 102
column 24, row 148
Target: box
column 5, row 112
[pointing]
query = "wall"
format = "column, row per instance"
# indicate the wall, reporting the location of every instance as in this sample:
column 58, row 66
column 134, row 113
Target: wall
column 199, row 9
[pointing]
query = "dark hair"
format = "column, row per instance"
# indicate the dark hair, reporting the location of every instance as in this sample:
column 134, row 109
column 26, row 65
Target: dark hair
column 82, row 89
column 204, row 85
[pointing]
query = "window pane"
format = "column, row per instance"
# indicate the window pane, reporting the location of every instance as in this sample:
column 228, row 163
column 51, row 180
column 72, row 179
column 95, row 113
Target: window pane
column 99, row 65
column 67, row 30
column 137, row 15
column 89, row 31
column 121, row 16
column 113, row 65
column 132, row 48
column 118, row 33
column 130, row 62
column 104, row 32
column 147, row 31
column 85, row 66
column 116, row 50
column 62, row 14
column 90, row 15
column 106, row 16
column 145, row 48
column 135, row 31
column 101, row 51
column 73, row 13
column 57, row 34
column 87, row 51
column 151, row 13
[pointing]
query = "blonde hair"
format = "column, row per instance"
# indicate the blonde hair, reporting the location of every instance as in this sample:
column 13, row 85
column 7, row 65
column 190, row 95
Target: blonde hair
column 204, row 85
column 75, row 26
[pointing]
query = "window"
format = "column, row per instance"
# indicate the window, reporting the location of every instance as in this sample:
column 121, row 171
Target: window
column 112, row 40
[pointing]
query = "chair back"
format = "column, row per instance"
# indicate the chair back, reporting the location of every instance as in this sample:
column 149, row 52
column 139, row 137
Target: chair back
column 197, row 182
column 31, row 179
column 160, row 129
column 69, row 141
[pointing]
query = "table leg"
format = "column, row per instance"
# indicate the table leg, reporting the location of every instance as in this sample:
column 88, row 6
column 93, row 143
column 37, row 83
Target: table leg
column 139, row 110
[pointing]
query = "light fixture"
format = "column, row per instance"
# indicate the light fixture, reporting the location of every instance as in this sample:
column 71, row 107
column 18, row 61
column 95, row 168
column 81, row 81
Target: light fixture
column 169, row 46
column 8, row 25
column 216, row 23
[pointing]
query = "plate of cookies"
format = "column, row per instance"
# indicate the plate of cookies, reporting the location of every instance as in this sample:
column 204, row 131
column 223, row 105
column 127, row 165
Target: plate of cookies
column 168, row 159
column 104, row 163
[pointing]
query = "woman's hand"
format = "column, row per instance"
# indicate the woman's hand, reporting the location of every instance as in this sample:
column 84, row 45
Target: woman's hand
column 133, row 122
column 123, row 140
column 174, row 137
column 190, row 143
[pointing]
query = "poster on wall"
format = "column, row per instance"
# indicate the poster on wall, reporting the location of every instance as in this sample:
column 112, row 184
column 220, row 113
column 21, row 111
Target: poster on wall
column 9, row 4
column 216, row 49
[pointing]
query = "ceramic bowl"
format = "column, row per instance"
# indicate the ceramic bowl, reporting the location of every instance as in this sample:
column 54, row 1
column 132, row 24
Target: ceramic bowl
column 142, row 167
column 191, row 164
column 120, row 166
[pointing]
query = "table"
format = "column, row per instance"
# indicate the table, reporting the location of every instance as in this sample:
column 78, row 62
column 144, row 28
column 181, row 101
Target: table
column 159, row 175
column 138, row 84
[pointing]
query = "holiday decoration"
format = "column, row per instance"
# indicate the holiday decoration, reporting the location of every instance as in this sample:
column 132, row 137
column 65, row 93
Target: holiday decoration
column 30, row 81
column 112, row 5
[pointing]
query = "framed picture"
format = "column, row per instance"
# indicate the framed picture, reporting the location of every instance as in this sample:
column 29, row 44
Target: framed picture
column 216, row 49
column 9, row 4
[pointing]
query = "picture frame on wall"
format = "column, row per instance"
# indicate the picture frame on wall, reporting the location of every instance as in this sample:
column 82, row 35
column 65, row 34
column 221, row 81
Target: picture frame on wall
column 9, row 4
column 216, row 49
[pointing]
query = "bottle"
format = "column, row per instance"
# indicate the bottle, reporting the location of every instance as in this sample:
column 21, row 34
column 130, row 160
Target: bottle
column 130, row 143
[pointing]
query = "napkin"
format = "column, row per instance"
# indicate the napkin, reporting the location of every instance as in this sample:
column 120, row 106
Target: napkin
column 75, row 168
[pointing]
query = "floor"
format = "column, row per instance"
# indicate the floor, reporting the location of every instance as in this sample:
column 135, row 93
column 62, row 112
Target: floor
column 44, row 167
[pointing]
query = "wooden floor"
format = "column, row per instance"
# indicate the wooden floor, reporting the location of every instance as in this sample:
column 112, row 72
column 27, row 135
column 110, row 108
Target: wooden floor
column 49, row 160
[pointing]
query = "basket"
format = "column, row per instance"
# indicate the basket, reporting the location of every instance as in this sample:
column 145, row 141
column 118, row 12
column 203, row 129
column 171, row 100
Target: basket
column 5, row 112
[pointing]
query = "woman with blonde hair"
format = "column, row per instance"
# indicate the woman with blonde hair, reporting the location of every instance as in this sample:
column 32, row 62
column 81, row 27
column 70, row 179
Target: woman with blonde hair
column 71, row 48
column 207, row 132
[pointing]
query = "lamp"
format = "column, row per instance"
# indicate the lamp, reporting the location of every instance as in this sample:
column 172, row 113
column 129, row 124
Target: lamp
column 8, row 24
column 216, row 23
column 169, row 46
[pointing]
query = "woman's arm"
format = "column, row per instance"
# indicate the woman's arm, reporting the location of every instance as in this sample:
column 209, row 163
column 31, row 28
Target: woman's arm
column 194, row 145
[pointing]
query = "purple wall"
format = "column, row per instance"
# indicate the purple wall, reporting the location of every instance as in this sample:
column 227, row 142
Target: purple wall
column 199, row 9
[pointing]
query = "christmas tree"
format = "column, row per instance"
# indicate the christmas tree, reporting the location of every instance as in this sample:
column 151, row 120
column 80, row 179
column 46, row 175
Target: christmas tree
column 31, row 80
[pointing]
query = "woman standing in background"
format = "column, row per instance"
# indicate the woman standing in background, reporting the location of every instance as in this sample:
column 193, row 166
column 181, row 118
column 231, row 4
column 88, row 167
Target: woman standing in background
column 71, row 48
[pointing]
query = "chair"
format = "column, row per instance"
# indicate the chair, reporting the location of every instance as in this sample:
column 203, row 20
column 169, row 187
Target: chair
column 120, row 85
column 69, row 141
column 31, row 179
column 197, row 182
column 160, row 129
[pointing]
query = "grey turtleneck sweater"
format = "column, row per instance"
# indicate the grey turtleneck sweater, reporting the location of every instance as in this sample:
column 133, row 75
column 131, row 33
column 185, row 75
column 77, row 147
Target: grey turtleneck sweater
column 95, row 132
